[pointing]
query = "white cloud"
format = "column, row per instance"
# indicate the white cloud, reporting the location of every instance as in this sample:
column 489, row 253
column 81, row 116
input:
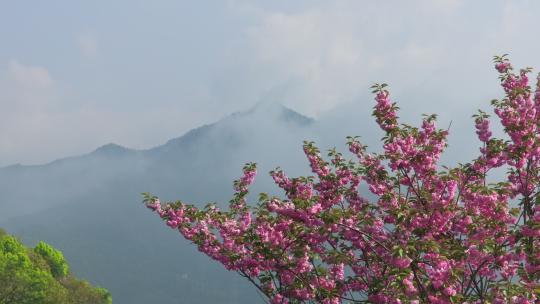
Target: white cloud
column 29, row 76
column 324, row 55
column 42, row 121
column 305, row 51
column 88, row 45
column 26, row 95
column 311, row 56
column 24, row 88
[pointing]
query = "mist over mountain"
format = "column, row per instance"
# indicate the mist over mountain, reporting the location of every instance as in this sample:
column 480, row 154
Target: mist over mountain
column 89, row 206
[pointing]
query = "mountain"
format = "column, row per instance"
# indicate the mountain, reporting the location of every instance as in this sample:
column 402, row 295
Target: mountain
column 90, row 207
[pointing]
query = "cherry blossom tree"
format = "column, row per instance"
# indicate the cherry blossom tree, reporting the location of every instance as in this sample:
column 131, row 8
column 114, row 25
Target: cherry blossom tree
column 432, row 235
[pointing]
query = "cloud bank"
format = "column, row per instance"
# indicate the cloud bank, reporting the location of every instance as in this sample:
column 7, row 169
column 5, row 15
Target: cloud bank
column 162, row 71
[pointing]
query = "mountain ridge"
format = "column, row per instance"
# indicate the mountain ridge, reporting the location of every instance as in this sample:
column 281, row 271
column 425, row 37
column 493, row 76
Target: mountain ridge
column 278, row 110
column 89, row 205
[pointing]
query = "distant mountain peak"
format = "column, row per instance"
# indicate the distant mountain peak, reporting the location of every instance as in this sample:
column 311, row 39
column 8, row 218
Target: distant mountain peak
column 271, row 109
column 110, row 149
column 289, row 115
column 265, row 111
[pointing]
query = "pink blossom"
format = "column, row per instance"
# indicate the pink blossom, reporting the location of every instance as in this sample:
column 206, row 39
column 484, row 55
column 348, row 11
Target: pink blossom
column 430, row 234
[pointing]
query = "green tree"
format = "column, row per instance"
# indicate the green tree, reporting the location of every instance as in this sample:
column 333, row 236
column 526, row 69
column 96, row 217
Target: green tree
column 55, row 259
column 21, row 281
column 41, row 276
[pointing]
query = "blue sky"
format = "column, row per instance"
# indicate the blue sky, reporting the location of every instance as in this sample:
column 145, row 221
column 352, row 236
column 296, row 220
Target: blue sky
column 78, row 74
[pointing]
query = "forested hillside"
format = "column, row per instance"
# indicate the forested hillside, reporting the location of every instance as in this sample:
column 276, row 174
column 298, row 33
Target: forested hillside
column 41, row 275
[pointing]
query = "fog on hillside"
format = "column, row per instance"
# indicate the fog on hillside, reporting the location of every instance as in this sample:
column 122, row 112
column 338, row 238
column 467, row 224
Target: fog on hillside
column 102, row 101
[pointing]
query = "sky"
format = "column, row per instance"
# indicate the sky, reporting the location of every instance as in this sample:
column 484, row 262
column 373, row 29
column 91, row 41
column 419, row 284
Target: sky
column 75, row 75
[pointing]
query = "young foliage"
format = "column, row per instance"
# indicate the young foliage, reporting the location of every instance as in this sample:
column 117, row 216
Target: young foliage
column 41, row 276
column 55, row 259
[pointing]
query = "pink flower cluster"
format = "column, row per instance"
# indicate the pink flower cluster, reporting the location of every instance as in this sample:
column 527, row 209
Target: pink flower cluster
column 432, row 235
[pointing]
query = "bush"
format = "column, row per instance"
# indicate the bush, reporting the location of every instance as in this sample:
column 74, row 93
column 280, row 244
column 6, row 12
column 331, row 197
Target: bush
column 41, row 276
column 55, row 259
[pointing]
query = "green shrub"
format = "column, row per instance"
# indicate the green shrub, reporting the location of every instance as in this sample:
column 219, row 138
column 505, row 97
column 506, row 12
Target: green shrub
column 41, row 276
column 55, row 259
